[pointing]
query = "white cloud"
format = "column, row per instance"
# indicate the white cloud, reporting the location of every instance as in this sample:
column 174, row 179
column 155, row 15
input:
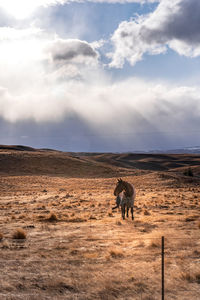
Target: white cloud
column 46, row 79
column 173, row 24
column 70, row 58
column 9, row 33
column 49, row 80
column 23, row 8
column 31, row 53
column 129, row 106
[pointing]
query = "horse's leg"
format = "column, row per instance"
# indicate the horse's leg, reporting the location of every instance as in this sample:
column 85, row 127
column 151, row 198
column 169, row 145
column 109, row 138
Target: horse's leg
column 127, row 209
column 132, row 213
column 123, row 211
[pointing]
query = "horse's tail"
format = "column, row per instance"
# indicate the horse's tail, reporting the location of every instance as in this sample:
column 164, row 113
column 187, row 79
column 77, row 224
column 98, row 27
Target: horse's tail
column 118, row 201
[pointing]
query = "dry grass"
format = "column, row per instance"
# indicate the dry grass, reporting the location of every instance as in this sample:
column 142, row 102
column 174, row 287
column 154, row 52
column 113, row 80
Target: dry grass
column 78, row 249
column 1, row 236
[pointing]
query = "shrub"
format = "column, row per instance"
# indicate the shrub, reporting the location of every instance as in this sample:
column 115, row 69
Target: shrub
column 52, row 218
column 118, row 223
column 19, row 234
column 147, row 213
column 188, row 172
column 154, row 244
column 195, row 277
column 115, row 253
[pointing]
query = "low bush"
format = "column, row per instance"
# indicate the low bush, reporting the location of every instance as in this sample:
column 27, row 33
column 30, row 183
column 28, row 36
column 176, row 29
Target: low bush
column 188, row 172
column 19, row 234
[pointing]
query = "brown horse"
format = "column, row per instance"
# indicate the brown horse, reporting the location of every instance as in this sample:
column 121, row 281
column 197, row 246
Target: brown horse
column 128, row 196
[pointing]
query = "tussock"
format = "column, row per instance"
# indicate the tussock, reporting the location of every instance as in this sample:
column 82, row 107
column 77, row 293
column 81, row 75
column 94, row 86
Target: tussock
column 119, row 223
column 154, row 244
column 19, row 234
column 191, row 276
column 110, row 214
column 116, row 253
column 52, row 218
column 147, row 213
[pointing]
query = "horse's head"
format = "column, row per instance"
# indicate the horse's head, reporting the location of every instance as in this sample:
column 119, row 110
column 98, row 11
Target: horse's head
column 119, row 187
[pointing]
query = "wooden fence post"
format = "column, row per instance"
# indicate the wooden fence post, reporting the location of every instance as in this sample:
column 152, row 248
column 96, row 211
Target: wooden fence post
column 163, row 267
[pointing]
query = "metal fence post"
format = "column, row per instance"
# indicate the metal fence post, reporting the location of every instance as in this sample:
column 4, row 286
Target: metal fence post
column 163, row 267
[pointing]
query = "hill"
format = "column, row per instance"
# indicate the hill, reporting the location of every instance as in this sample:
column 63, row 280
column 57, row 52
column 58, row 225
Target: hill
column 15, row 160
column 150, row 162
column 20, row 160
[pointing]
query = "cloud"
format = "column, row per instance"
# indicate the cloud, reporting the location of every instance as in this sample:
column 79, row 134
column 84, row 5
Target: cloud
column 31, row 53
column 49, row 81
column 72, row 50
column 130, row 106
column 10, row 33
column 174, row 24
column 22, row 9
column 51, row 92
column 70, row 58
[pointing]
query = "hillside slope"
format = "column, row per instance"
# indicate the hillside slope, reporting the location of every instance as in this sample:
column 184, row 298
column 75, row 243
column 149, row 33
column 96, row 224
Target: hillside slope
column 47, row 162
column 15, row 160
column 149, row 162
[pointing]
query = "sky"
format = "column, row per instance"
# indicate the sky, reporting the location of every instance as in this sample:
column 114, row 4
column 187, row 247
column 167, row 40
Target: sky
column 100, row 75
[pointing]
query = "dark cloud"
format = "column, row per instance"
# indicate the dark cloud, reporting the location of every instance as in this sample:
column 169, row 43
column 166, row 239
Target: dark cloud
column 174, row 24
column 180, row 20
column 72, row 51
column 132, row 115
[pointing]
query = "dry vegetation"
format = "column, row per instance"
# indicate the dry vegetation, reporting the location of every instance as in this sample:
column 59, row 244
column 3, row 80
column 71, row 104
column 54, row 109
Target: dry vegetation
column 59, row 238
column 19, row 234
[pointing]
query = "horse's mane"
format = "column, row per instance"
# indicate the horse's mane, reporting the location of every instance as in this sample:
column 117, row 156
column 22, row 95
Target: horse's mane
column 129, row 189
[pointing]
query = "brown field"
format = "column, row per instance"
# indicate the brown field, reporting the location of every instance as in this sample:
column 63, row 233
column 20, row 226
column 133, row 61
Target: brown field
column 59, row 238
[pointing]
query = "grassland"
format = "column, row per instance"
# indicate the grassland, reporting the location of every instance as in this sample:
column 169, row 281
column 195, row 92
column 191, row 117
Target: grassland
column 59, row 238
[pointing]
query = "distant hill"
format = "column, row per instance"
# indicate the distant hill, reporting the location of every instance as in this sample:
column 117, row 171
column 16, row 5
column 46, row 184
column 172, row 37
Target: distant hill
column 186, row 150
column 16, row 147
column 15, row 160
column 149, row 161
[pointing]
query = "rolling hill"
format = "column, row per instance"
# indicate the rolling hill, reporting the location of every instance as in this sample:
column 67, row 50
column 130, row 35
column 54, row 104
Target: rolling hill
column 26, row 160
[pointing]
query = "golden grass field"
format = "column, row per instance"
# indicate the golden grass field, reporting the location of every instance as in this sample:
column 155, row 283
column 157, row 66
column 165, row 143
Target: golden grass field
column 59, row 238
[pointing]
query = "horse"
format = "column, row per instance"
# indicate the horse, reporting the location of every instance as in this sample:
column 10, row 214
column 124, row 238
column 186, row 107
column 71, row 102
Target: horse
column 127, row 196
